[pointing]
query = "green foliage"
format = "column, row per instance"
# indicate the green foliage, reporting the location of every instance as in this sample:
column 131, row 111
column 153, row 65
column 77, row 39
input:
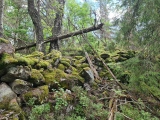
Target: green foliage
column 134, row 113
column 87, row 108
column 78, row 14
column 144, row 75
column 39, row 111
column 17, row 23
column 61, row 101
column 31, row 101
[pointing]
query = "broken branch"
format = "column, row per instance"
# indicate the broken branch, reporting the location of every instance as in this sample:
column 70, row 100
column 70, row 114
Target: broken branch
column 50, row 39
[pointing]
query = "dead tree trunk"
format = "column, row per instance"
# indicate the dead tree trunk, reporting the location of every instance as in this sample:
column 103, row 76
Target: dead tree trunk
column 35, row 16
column 1, row 17
column 93, row 28
column 56, row 30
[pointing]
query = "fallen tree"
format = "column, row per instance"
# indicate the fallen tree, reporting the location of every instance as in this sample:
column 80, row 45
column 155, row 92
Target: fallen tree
column 50, row 39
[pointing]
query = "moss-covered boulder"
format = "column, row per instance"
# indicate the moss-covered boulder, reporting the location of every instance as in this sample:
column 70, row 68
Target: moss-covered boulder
column 58, row 78
column 53, row 54
column 6, row 94
column 6, row 47
column 36, row 77
column 88, row 75
column 40, row 94
column 78, row 57
column 20, row 86
column 66, row 62
column 25, row 60
column 18, row 72
column 43, row 64
column 61, row 67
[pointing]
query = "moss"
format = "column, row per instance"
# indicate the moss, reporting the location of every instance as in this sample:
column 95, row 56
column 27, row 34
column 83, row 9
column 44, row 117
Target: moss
column 4, row 103
column 61, row 67
column 7, row 59
column 54, row 76
column 78, row 57
column 45, row 92
column 36, row 77
column 40, row 93
column 43, row 64
column 2, row 40
column 22, row 59
column 86, row 68
column 36, row 54
column 76, row 76
column 13, row 105
column 83, row 65
column 49, row 76
column 66, row 60
column 80, row 61
column 53, row 54
column 65, row 63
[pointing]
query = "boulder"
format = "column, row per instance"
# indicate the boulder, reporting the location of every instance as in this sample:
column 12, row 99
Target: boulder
column 40, row 94
column 88, row 75
column 20, row 86
column 36, row 77
column 6, row 46
column 18, row 72
column 56, row 77
column 6, row 94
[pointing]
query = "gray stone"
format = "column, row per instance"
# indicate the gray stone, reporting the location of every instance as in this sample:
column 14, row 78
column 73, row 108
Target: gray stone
column 19, row 72
column 20, row 86
column 88, row 75
column 6, row 94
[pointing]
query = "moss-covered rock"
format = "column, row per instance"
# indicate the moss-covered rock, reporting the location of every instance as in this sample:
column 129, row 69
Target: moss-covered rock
column 54, row 76
column 18, row 72
column 2, row 40
column 36, row 54
column 61, row 67
column 66, row 60
column 78, row 57
column 65, row 63
column 36, row 77
column 87, row 74
column 6, row 60
column 43, row 64
column 6, row 47
column 13, row 105
column 40, row 93
column 20, row 86
column 6, row 94
column 25, row 60
column 58, row 78
column 53, row 54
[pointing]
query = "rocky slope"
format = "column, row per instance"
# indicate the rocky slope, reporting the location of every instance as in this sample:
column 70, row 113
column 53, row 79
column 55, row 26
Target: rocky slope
column 36, row 77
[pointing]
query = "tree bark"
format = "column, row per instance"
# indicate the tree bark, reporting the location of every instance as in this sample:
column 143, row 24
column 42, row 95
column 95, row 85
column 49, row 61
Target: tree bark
column 93, row 28
column 35, row 16
column 1, row 17
column 56, row 30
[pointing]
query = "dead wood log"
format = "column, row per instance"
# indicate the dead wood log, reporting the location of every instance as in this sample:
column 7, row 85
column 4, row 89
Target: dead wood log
column 50, row 39
column 92, row 67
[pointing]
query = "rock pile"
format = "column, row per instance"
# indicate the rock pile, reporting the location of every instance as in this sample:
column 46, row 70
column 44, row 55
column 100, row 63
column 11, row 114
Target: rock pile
column 23, row 77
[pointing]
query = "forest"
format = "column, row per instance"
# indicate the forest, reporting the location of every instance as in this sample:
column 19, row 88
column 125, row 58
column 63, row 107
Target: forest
column 79, row 60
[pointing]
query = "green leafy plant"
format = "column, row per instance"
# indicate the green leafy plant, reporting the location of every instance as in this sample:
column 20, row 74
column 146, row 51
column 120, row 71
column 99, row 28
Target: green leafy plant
column 39, row 111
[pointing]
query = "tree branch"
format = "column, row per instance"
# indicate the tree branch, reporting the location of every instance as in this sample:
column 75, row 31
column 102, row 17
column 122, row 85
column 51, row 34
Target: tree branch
column 50, row 39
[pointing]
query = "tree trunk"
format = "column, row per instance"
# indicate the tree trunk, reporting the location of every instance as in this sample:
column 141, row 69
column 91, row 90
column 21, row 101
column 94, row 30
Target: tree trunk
column 56, row 30
column 35, row 16
column 1, row 17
